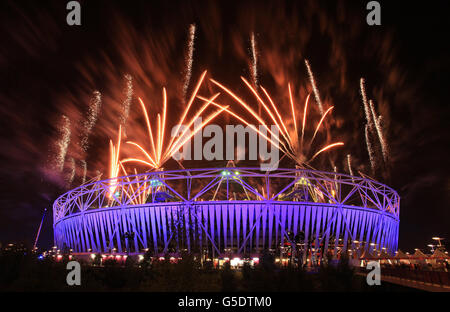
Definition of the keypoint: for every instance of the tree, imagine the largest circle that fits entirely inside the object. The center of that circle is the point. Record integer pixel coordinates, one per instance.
(228, 278)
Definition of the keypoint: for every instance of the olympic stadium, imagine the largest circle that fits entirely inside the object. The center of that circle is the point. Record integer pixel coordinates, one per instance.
(224, 212)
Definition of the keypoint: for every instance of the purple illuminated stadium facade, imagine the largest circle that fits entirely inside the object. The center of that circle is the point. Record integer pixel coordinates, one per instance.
(223, 211)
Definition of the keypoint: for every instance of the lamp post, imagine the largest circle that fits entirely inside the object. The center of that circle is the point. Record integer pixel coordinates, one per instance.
(439, 240)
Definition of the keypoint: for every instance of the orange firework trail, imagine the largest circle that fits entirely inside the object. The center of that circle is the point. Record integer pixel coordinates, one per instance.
(292, 108)
(161, 152)
(114, 165)
(240, 119)
(127, 102)
(376, 121)
(251, 111)
(92, 116)
(326, 148)
(289, 142)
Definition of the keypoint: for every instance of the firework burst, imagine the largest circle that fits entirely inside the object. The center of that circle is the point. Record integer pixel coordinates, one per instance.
(114, 162)
(160, 151)
(291, 142)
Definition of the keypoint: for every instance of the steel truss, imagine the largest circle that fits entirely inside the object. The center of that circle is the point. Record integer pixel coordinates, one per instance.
(240, 209)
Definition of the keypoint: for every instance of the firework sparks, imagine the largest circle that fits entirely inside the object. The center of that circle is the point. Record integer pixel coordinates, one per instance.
(372, 111)
(189, 59)
(366, 104)
(373, 121)
(293, 109)
(247, 107)
(161, 152)
(114, 165)
(383, 144)
(314, 86)
(127, 102)
(91, 119)
(240, 119)
(84, 167)
(369, 148)
(63, 142)
(349, 164)
(289, 142)
(276, 111)
(304, 121)
(136, 188)
(326, 148)
(71, 173)
(254, 63)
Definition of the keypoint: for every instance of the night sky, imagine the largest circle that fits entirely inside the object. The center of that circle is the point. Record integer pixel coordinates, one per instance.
(49, 68)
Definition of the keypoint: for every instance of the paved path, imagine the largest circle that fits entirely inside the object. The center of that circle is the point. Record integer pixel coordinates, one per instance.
(413, 283)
